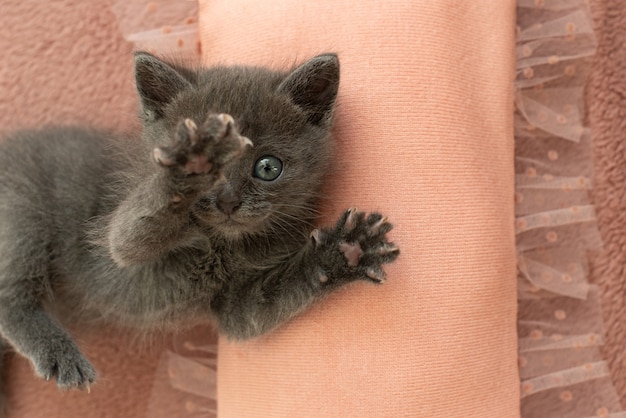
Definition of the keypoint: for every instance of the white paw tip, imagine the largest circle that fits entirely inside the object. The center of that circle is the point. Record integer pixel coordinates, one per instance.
(350, 220)
(226, 118)
(191, 125)
(377, 275)
(316, 234)
(157, 154)
(388, 249)
(246, 141)
(159, 157)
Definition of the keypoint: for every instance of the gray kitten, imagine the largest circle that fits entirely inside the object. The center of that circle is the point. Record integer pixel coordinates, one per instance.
(208, 216)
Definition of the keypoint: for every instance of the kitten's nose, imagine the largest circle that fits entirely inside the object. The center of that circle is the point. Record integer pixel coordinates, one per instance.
(228, 202)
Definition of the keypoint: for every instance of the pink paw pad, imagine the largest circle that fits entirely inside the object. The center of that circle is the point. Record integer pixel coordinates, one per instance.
(198, 164)
(352, 252)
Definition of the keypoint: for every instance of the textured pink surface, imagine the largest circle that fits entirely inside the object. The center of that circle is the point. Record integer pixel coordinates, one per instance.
(63, 62)
(607, 117)
(424, 134)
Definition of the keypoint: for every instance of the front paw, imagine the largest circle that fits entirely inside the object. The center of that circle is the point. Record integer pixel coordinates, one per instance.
(203, 149)
(357, 247)
(59, 358)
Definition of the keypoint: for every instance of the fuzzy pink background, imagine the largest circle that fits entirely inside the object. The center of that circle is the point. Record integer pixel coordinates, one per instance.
(606, 102)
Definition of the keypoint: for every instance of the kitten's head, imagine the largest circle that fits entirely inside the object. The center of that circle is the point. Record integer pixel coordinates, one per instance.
(288, 115)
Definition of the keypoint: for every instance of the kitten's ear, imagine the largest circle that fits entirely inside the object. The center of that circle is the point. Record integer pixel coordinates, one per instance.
(157, 84)
(313, 86)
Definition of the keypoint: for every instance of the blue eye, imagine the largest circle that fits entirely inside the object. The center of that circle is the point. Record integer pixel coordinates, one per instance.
(268, 168)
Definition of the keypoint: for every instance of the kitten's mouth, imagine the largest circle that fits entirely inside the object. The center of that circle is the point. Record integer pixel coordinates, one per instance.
(234, 227)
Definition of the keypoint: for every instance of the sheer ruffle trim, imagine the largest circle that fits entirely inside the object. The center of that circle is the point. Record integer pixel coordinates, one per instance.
(186, 380)
(560, 325)
(160, 26)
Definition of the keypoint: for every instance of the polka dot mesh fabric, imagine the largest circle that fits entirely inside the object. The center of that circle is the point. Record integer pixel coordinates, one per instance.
(160, 25)
(560, 328)
(190, 368)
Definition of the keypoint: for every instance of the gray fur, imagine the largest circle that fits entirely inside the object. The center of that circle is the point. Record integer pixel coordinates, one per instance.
(97, 228)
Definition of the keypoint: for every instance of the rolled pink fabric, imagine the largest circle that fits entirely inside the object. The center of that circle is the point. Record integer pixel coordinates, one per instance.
(424, 134)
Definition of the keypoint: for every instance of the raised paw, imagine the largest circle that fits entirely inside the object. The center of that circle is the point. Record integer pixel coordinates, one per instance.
(357, 247)
(203, 149)
(60, 359)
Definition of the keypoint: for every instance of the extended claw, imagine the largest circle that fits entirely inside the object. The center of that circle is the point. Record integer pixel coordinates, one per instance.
(388, 249)
(228, 122)
(246, 141)
(316, 236)
(243, 141)
(160, 157)
(375, 228)
(350, 219)
(226, 118)
(219, 126)
(192, 130)
(376, 275)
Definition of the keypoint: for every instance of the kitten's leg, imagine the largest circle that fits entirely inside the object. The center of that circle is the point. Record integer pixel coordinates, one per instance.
(153, 218)
(23, 321)
(356, 248)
